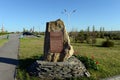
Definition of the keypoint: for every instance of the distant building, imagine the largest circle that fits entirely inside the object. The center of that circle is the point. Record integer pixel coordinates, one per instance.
(2, 29)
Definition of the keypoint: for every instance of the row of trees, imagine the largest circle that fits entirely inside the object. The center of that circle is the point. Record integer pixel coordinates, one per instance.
(114, 35)
(4, 33)
(90, 36)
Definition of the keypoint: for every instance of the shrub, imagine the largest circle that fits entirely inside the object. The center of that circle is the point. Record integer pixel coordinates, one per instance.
(88, 40)
(89, 63)
(107, 43)
(93, 41)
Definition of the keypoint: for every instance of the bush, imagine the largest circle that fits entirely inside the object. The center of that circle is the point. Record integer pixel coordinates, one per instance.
(88, 62)
(94, 40)
(107, 44)
(88, 40)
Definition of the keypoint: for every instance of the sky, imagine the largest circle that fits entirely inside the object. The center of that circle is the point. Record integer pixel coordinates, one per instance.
(18, 14)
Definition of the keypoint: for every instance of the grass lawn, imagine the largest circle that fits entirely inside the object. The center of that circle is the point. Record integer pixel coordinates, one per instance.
(108, 58)
(30, 50)
(3, 41)
(30, 47)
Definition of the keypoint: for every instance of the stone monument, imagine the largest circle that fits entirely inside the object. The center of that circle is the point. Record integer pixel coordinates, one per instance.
(58, 62)
(57, 46)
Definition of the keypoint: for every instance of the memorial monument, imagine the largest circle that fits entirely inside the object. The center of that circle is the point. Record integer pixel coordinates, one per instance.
(57, 62)
(57, 46)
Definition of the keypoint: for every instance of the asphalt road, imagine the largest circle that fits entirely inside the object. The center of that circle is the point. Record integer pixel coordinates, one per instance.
(9, 58)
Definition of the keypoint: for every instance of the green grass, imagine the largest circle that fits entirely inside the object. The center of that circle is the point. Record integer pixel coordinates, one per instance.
(3, 41)
(30, 50)
(108, 58)
(30, 47)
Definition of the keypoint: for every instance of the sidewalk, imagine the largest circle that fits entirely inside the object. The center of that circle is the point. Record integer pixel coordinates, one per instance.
(8, 58)
(113, 78)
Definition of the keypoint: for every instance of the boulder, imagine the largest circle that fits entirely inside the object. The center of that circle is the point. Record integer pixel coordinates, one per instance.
(57, 47)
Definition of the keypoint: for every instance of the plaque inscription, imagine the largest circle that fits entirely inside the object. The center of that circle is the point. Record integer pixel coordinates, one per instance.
(56, 42)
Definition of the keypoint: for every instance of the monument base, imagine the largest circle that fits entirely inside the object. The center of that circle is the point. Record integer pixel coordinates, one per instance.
(58, 70)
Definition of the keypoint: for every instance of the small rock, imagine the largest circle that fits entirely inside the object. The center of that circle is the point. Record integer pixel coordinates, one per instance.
(87, 74)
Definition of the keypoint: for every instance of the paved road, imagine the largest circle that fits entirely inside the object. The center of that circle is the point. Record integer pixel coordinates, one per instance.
(8, 58)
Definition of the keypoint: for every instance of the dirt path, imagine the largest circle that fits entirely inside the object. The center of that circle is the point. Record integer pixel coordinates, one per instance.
(8, 58)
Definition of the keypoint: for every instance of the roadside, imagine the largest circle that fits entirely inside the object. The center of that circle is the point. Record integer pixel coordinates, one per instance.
(9, 58)
(3, 36)
(113, 78)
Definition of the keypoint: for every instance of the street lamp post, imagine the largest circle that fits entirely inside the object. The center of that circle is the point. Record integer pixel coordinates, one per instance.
(68, 15)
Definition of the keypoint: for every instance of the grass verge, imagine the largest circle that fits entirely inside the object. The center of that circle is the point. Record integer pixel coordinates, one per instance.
(30, 50)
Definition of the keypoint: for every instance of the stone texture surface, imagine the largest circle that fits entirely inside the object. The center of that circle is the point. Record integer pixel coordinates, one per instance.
(62, 70)
(57, 27)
